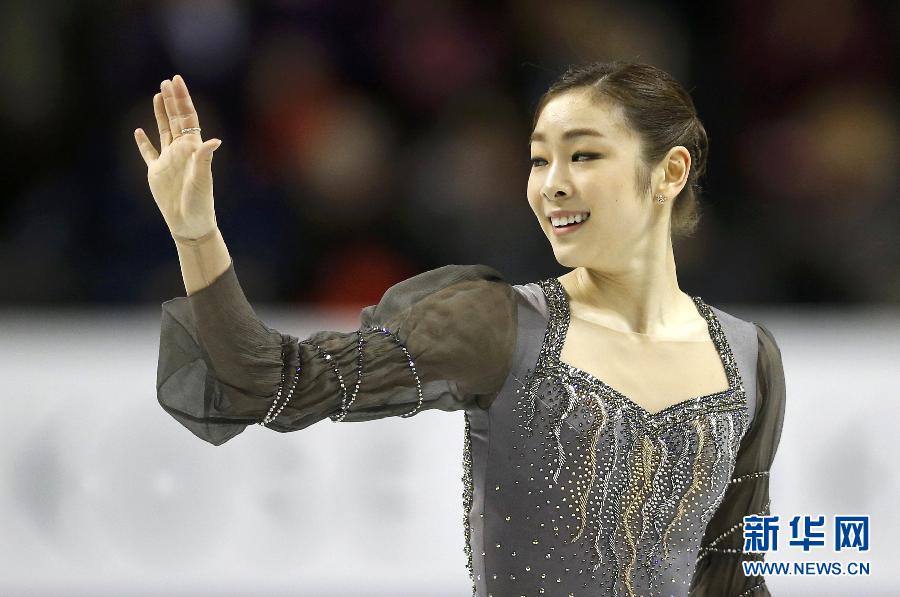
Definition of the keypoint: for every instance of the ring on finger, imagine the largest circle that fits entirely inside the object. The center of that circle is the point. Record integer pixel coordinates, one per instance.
(194, 129)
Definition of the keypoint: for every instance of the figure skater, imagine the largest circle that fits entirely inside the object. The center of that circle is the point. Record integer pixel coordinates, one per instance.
(617, 429)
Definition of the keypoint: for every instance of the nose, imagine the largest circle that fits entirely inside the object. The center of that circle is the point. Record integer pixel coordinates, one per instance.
(556, 186)
(558, 194)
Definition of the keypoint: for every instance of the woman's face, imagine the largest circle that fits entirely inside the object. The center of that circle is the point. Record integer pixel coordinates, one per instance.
(584, 159)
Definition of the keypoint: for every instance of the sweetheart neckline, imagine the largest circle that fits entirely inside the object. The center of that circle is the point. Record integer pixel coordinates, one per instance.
(564, 319)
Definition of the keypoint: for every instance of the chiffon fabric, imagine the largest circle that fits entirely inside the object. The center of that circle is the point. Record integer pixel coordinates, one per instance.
(445, 339)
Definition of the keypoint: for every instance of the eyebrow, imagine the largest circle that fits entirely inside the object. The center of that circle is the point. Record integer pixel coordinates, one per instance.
(569, 134)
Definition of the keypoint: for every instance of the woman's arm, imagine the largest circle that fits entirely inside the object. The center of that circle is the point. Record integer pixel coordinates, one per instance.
(448, 344)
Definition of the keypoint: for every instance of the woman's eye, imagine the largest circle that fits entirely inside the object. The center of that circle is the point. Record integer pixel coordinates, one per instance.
(577, 157)
(589, 156)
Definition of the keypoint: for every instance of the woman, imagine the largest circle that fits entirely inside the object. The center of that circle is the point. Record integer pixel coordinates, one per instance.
(617, 429)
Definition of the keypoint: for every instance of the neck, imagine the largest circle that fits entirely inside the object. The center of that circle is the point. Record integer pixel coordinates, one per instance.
(643, 298)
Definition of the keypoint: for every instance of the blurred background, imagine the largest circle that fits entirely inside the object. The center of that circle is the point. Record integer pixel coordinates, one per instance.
(363, 143)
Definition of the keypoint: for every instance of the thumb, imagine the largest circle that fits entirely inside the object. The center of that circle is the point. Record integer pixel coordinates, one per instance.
(204, 154)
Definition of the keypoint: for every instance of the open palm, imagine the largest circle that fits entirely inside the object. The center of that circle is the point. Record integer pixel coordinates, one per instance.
(180, 174)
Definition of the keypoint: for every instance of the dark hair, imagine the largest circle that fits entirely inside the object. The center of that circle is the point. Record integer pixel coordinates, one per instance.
(659, 110)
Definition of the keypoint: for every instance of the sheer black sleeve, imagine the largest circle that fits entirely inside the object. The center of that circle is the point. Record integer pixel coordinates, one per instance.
(443, 339)
(719, 572)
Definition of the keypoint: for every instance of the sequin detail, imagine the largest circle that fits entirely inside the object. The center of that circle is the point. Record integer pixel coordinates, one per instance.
(347, 397)
(468, 492)
(634, 490)
(711, 546)
(272, 414)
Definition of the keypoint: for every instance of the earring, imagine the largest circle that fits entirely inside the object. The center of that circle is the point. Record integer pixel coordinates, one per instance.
(660, 198)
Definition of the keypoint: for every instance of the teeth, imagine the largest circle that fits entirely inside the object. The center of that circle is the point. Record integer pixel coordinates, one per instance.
(559, 222)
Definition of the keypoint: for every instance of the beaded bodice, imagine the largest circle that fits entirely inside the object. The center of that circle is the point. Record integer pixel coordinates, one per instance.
(585, 492)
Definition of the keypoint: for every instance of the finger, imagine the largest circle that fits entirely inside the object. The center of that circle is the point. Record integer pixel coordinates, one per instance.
(148, 152)
(179, 106)
(162, 121)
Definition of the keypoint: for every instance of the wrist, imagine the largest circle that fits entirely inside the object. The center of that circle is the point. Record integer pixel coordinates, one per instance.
(182, 240)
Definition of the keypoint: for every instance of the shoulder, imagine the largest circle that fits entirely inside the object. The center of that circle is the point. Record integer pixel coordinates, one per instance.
(731, 321)
(768, 373)
(469, 284)
(764, 338)
(740, 333)
(531, 296)
(749, 332)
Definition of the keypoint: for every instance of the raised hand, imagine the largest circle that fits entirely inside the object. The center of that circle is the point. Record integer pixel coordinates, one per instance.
(180, 174)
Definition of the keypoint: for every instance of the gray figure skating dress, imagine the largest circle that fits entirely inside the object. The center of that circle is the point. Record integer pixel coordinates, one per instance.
(569, 486)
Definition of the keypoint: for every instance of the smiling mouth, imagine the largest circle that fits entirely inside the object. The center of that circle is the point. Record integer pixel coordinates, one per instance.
(562, 223)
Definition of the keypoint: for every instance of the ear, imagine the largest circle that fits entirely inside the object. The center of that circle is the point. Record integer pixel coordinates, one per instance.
(674, 167)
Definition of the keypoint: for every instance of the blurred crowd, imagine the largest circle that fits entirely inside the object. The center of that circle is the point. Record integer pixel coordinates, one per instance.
(365, 142)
